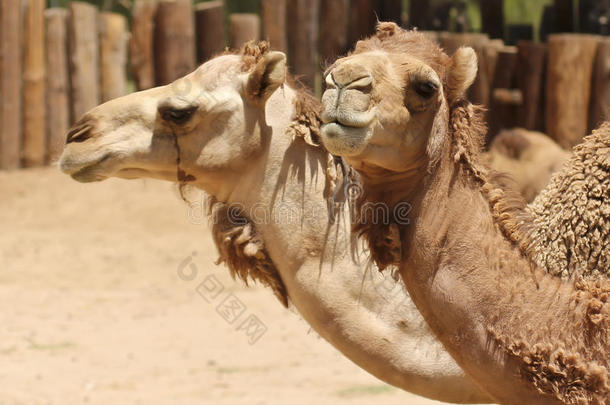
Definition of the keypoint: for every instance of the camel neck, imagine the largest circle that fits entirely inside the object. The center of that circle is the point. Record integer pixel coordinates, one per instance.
(392, 187)
(501, 319)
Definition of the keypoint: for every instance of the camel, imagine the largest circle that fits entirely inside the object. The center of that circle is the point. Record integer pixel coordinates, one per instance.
(237, 129)
(530, 158)
(476, 262)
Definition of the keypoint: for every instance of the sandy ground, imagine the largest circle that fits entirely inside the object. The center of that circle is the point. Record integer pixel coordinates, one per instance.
(93, 309)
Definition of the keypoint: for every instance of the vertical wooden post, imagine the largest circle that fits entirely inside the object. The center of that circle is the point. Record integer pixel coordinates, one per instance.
(113, 55)
(210, 29)
(531, 71)
(419, 14)
(273, 13)
(34, 76)
(492, 17)
(570, 65)
(174, 40)
(490, 54)
(10, 84)
(503, 111)
(58, 107)
(84, 58)
(504, 76)
(391, 10)
(303, 39)
(334, 19)
(600, 99)
(362, 20)
(141, 44)
(243, 28)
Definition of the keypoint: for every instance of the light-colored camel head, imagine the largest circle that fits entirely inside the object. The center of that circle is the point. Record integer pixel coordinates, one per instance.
(386, 105)
(202, 128)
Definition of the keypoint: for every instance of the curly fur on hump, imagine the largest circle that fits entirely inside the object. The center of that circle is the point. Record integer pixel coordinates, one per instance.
(575, 243)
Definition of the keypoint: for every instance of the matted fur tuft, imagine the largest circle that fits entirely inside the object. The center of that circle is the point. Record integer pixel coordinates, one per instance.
(252, 52)
(382, 240)
(306, 121)
(242, 249)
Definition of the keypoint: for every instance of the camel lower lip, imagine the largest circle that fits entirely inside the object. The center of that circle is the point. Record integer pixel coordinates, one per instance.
(87, 174)
(345, 140)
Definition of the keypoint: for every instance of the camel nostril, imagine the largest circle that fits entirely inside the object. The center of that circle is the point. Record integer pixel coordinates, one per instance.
(78, 134)
(81, 131)
(363, 84)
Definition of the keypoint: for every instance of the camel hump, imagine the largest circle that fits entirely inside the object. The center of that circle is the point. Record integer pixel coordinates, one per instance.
(512, 143)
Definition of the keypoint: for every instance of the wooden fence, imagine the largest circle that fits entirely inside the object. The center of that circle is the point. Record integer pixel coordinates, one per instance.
(56, 64)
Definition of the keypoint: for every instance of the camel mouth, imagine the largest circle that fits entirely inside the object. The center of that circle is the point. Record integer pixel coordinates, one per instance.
(84, 173)
(346, 140)
(87, 175)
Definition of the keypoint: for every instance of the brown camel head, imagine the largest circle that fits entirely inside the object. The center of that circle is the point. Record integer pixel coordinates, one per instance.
(203, 127)
(386, 105)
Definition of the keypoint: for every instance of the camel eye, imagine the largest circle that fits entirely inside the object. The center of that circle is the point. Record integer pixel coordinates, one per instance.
(178, 116)
(425, 89)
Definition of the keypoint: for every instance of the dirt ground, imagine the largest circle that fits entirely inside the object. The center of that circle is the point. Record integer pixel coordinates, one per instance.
(94, 311)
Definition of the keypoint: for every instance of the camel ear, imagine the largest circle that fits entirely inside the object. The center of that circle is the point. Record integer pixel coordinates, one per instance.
(462, 73)
(268, 75)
